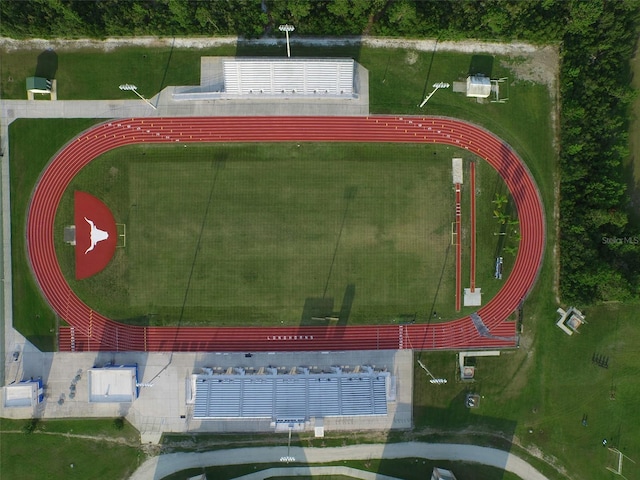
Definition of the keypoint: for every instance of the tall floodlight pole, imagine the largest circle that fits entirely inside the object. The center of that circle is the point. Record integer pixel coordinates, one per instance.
(436, 86)
(126, 87)
(288, 458)
(286, 28)
(434, 380)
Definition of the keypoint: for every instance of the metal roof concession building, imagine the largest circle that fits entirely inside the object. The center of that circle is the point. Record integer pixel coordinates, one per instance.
(478, 86)
(27, 393)
(290, 395)
(113, 383)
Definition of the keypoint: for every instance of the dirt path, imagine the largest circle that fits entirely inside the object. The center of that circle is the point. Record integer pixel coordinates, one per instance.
(94, 438)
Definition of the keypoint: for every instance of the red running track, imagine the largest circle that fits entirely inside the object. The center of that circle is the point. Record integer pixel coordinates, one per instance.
(458, 245)
(472, 269)
(90, 330)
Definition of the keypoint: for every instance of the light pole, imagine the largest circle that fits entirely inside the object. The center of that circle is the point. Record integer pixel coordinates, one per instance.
(288, 458)
(436, 86)
(286, 28)
(132, 88)
(434, 380)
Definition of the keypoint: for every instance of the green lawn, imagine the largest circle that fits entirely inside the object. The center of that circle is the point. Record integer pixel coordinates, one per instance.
(56, 450)
(272, 234)
(405, 468)
(29, 154)
(398, 80)
(547, 385)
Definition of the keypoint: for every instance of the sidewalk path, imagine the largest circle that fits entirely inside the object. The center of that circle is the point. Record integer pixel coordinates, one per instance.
(159, 467)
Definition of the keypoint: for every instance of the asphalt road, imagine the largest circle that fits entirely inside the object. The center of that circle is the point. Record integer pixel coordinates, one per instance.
(163, 465)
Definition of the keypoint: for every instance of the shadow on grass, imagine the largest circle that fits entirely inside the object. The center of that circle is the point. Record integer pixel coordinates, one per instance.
(435, 295)
(166, 68)
(47, 65)
(481, 65)
(320, 312)
(426, 87)
(347, 303)
(299, 49)
(316, 312)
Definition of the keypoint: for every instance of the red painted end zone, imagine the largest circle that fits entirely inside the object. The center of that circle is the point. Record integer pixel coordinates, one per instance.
(96, 235)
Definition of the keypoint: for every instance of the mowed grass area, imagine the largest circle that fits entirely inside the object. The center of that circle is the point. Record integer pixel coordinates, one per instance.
(278, 234)
(405, 468)
(547, 387)
(32, 316)
(398, 81)
(68, 449)
(528, 377)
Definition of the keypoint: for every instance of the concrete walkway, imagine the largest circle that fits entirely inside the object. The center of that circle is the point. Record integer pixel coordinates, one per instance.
(159, 467)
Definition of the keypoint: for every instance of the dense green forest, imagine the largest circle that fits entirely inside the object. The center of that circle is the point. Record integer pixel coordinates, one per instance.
(599, 246)
(533, 20)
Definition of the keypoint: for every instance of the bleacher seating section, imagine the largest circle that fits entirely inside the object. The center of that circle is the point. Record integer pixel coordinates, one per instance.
(309, 77)
(297, 395)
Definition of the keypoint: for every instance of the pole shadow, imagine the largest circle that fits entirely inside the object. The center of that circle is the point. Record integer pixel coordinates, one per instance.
(425, 89)
(350, 194)
(347, 303)
(166, 68)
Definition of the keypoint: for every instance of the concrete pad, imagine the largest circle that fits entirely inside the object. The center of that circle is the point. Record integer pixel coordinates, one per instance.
(456, 168)
(460, 87)
(161, 406)
(472, 299)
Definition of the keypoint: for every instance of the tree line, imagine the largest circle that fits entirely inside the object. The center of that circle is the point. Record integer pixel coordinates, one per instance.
(599, 246)
(534, 20)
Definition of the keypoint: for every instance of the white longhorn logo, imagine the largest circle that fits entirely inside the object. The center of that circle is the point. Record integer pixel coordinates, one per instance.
(97, 235)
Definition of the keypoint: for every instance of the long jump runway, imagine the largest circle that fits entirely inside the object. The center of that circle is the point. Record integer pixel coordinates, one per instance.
(90, 331)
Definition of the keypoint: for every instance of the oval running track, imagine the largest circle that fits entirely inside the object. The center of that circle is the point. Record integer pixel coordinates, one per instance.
(90, 331)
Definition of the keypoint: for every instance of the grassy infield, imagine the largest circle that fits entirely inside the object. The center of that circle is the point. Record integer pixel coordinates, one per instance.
(546, 386)
(280, 238)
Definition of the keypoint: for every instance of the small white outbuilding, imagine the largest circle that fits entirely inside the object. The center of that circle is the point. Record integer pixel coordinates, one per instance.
(478, 86)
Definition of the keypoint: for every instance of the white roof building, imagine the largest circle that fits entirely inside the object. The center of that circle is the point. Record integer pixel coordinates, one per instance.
(478, 86)
(23, 394)
(113, 384)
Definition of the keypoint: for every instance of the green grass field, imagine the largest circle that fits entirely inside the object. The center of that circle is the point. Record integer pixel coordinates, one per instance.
(271, 234)
(94, 447)
(32, 315)
(406, 468)
(547, 385)
(398, 81)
